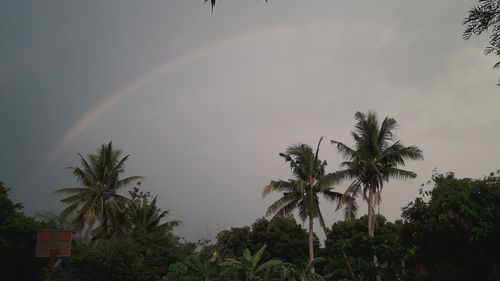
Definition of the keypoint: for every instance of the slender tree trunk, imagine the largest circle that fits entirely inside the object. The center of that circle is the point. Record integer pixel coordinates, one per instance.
(371, 212)
(311, 240)
(311, 225)
(372, 199)
(371, 223)
(346, 259)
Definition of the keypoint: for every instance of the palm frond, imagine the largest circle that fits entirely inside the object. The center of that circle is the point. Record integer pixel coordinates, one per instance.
(69, 210)
(283, 211)
(333, 196)
(399, 173)
(128, 180)
(350, 207)
(282, 203)
(345, 150)
(321, 220)
(279, 186)
(326, 182)
(88, 169)
(70, 190)
(385, 134)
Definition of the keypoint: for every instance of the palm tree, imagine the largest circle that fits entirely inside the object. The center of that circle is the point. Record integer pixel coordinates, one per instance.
(97, 199)
(302, 192)
(376, 158)
(145, 216)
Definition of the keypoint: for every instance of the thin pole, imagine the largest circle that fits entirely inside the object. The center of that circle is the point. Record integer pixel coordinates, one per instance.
(52, 261)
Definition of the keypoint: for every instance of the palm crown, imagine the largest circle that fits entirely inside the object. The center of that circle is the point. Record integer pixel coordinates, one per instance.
(375, 158)
(97, 199)
(302, 192)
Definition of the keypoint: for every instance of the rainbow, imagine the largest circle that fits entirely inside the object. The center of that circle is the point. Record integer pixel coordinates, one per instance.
(135, 84)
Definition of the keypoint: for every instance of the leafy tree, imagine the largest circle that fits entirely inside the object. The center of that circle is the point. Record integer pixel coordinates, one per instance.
(302, 193)
(52, 220)
(108, 260)
(97, 200)
(485, 17)
(138, 257)
(454, 229)
(350, 251)
(286, 240)
(375, 159)
(17, 242)
(231, 243)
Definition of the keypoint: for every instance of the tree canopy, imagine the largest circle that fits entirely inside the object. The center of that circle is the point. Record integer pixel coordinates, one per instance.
(482, 18)
(454, 229)
(286, 240)
(17, 241)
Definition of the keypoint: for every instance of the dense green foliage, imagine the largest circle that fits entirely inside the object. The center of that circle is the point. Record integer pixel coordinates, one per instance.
(349, 245)
(286, 241)
(248, 267)
(455, 233)
(141, 257)
(17, 241)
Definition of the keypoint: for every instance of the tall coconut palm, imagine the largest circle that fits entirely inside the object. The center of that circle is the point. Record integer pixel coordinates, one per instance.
(97, 199)
(302, 192)
(374, 160)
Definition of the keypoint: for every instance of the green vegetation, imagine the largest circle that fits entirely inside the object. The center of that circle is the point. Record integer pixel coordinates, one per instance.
(350, 250)
(17, 241)
(285, 240)
(450, 232)
(454, 229)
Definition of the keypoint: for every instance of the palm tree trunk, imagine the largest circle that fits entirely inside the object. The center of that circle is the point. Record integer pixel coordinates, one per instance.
(371, 223)
(311, 240)
(371, 213)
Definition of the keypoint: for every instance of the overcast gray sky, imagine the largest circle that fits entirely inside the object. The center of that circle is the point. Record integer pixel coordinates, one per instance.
(205, 102)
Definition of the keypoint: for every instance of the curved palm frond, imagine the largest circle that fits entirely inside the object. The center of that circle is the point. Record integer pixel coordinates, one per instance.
(345, 150)
(385, 134)
(279, 186)
(399, 174)
(279, 204)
